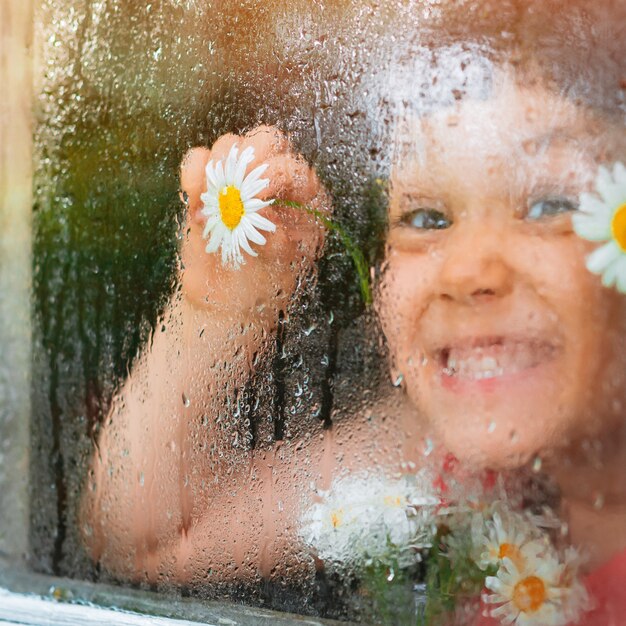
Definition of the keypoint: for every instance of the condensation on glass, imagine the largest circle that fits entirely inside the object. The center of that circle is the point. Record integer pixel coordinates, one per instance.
(255, 427)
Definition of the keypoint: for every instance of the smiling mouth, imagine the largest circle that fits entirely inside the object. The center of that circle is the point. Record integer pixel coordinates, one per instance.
(493, 357)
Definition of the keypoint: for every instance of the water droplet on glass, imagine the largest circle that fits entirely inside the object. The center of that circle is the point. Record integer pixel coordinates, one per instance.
(598, 500)
(429, 446)
(530, 147)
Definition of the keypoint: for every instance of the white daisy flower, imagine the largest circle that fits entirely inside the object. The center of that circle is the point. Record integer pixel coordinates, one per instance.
(540, 593)
(361, 517)
(507, 535)
(602, 217)
(231, 206)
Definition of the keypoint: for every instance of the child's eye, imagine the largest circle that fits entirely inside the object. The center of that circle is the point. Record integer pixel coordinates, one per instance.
(426, 219)
(547, 207)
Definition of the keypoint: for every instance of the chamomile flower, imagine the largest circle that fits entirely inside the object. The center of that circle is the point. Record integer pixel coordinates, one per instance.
(231, 206)
(507, 535)
(602, 217)
(364, 516)
(537, 594)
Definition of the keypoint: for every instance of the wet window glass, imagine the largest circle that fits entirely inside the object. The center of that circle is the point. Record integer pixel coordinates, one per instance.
(328, 306)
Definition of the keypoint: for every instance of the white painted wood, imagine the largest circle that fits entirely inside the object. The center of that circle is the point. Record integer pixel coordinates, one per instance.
(25, 609)
(29, 591)
(15, 269)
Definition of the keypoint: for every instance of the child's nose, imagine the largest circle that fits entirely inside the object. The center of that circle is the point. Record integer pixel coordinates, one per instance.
(475, 265)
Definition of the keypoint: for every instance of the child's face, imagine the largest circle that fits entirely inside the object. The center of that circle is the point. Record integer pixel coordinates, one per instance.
(505, 341)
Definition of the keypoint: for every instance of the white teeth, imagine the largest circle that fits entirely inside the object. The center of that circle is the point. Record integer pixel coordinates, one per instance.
(475, 367)
(491, 361)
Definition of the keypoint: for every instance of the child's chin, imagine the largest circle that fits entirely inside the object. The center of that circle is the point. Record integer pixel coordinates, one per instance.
(477, 449)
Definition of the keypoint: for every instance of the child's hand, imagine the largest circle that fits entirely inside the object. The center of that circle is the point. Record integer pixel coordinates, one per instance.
(270, 278)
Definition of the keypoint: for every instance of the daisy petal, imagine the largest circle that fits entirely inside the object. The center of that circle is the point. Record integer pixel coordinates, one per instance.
(243, 242)
(609, 275)
(619, 174)
(261, 222)
(253, 234)
(254, 205)
(590, 204)
(612, 194)
(501, 610)
(249, 190)
(591, 227)
(507, 613)
(236, 256)
(210, 225)
(251, 178)
(210, 173)
(621, 275)
(601, 258)
(493, 583)
(247, 156)
(227, 245)
(217, 238)
(219, 176)
(209, 197)
(510, 619)
(257, 172)
(231, 165)
(210, 210)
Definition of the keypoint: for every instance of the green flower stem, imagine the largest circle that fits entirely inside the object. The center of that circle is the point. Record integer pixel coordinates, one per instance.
(351, 247)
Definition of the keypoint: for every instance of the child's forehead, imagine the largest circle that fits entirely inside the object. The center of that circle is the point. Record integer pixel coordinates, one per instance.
(515, 124)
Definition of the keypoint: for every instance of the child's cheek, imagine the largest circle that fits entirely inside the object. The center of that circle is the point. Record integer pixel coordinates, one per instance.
(408, 284)
(586, 314)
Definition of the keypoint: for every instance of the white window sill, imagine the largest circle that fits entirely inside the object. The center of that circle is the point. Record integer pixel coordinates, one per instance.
(16, 608)
(31, 610)
(30, 599)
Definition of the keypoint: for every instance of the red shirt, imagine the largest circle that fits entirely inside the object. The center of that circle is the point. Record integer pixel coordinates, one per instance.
(607, 587)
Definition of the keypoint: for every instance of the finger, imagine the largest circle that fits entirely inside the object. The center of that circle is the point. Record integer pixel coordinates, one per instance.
(267, 142)
(193, 178)
(291, 178)
(221, 148)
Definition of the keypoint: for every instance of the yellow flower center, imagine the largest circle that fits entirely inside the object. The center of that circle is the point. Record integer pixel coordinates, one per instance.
(618, 226)
(512, 552)
(529, 594)
(231, 206)
(394, 501)
(336, 518)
